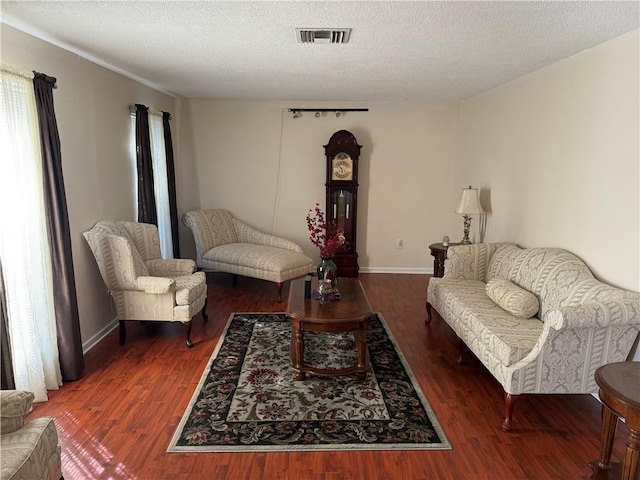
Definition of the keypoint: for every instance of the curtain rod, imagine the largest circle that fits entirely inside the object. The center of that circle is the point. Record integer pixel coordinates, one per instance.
(132, 111)
(328, 110)
(14, 71)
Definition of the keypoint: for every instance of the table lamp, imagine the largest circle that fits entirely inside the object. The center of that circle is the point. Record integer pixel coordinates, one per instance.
(468, 205)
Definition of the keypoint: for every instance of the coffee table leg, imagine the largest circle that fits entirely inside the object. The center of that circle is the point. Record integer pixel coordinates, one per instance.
(298, 354)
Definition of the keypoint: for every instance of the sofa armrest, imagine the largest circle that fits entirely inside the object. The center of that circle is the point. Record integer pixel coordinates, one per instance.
(469, 262)
(614, 312)
(14, 406)
(155, 284)
(175, 267)
(247, 234)
(563, 326)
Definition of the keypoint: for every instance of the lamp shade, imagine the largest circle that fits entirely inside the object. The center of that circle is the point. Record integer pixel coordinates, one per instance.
(469, 203)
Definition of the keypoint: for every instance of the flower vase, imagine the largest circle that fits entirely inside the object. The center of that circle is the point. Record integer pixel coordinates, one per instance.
(327, 270)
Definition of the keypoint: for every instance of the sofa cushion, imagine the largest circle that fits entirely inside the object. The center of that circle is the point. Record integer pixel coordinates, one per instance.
(510, 297)
(15, 405)
(471, 313)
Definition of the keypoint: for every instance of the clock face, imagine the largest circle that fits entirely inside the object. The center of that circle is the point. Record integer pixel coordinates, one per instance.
(342, 167)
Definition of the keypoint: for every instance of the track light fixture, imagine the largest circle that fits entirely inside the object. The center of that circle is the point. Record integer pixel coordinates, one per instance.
(296, 112)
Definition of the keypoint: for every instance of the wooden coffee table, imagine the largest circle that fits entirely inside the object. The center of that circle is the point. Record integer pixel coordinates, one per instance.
(349, 314)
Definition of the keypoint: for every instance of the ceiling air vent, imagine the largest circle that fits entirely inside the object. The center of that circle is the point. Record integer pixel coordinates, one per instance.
(323, 35)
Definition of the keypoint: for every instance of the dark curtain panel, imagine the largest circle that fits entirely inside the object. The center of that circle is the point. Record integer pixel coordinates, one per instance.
(64, 284)
(171, 181)
(146, 197)
(6, 369)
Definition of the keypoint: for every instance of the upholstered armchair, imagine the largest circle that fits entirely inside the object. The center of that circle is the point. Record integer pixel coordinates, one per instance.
(143, 285)
(30, 450)
(225, 244)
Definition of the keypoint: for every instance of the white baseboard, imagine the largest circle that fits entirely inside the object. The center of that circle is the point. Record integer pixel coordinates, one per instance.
(93, 341)
(407, 270)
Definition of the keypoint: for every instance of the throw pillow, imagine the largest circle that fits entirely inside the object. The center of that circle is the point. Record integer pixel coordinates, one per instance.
(510, 297)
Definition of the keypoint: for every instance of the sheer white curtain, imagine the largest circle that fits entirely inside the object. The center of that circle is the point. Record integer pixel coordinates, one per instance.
(24, 245)
(161, 185)
(160, 180)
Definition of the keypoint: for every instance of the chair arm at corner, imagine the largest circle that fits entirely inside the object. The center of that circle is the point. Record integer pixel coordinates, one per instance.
(175, 267)
(155, 284)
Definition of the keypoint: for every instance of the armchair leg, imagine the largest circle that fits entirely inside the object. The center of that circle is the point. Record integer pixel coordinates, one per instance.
(205, 317)
(279, 288)
(509, 403)
(123, 332)
(189, 342)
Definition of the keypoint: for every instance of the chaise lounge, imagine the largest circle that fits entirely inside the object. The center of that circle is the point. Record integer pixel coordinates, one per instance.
(225, 244)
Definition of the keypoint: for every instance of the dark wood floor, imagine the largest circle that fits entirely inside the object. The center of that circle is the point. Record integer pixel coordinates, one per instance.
(117, 421)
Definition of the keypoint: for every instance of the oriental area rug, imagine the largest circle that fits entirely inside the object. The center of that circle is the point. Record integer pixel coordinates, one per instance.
(247, 399)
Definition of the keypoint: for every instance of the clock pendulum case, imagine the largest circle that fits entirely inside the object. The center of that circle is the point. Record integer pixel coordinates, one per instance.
(342, 154)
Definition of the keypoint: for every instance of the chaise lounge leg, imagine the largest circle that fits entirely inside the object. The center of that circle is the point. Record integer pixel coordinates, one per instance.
(279, 288)
(189, 342)
(427, 320)
(205, 317)
(509, 403)
(123, 332)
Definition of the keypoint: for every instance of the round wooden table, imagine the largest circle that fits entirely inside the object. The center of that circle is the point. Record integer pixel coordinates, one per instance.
(620, 395)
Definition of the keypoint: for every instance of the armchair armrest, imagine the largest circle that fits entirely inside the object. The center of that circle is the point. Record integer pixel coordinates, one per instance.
(175, 267)
(155, 284)
(14, 406)
(247, 234)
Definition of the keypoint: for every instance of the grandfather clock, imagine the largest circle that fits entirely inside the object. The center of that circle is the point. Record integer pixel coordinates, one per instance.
(342, 154)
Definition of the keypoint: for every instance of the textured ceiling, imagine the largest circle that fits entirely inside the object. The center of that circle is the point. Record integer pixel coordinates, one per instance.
(398, 51)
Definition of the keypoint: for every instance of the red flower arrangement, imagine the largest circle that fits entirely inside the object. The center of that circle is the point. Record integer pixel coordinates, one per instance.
(326, 238)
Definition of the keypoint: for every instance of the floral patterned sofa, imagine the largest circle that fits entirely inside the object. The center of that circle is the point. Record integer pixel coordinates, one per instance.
(30, 450)
(536, 318)
(225, 244)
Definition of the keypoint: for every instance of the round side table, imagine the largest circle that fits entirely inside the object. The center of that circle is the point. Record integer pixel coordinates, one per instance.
(620, 396)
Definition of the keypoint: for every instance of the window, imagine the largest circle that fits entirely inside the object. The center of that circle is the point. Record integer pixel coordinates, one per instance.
(24, 246)
(160, 182)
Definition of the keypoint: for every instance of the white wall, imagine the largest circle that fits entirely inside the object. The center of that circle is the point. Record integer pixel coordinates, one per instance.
(254, 159)
(557, 155)
(92, 110)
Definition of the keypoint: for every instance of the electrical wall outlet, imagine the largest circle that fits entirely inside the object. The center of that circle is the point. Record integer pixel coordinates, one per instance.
(399, 243)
